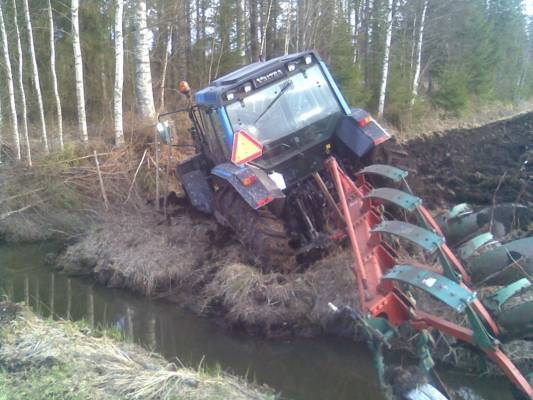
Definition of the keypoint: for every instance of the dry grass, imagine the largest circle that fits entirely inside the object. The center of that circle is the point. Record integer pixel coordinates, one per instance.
(110, 369)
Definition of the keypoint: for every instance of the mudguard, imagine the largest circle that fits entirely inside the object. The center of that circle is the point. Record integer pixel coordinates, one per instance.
(193, 174)
(358, 133)
(253, 184)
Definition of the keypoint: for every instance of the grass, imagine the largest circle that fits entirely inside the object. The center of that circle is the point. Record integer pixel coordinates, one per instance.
(45, 359)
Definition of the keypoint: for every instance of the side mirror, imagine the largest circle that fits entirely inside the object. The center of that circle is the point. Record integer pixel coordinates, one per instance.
(165, 132)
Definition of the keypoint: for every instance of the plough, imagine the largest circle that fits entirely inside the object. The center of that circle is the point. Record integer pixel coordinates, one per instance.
(384, 303)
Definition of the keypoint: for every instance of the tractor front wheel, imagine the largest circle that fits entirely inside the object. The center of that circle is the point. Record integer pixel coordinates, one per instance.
(262, 233)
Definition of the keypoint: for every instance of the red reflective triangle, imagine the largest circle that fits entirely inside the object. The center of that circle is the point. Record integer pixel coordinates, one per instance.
(245, 148)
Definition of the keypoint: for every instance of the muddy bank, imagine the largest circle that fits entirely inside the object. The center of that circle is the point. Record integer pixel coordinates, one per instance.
(45, 359)
(477, 166)
(197, 264)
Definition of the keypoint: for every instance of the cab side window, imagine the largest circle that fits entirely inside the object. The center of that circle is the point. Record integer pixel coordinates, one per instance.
(214, 135)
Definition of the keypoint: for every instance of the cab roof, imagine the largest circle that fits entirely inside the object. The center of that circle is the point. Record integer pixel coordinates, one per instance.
(212, 95)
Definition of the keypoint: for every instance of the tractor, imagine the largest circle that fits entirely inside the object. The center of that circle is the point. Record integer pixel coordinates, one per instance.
(262, 134)
(283, 161)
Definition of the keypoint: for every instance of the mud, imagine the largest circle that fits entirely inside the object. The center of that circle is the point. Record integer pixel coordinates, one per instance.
(493, 163)
(198, 265)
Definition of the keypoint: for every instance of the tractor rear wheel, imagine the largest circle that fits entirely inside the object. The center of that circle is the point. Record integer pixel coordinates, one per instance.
(262, 233)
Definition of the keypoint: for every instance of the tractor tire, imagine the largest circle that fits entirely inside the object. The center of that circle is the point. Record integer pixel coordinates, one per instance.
(261, 233)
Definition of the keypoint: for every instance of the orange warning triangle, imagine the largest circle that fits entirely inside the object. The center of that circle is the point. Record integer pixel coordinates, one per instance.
(245, 148)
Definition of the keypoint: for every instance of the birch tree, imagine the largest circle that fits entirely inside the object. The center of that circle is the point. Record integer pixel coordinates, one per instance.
(78, 69)
(21, 86)
(36, 75)
(54, 76)
(141, 54)
(168, 50)
(119, 73)
(386, 56)
(10, 88)
(416, 78)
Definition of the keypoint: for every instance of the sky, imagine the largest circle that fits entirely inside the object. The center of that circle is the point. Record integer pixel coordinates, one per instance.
(529, 6)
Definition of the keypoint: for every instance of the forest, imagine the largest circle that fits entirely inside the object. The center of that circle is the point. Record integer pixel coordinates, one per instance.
(73, 70)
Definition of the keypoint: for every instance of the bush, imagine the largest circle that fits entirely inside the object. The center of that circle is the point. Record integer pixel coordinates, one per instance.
(452, 92)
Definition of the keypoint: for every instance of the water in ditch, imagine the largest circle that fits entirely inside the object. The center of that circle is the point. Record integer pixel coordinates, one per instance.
(310, 369)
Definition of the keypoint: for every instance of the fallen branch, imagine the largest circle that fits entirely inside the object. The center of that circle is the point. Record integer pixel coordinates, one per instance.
(102, 188)
(10, 213)
(21, 195)
(135, 175)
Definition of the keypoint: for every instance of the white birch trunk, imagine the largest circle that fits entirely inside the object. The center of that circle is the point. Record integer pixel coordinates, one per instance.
(288, 29)
(416, 78)
(10, 88)
(119, 73)
(386, 56)
(36, 75)
(78, 68)
(141, 54)
(21, 86)
(54, 77)
(168, 50)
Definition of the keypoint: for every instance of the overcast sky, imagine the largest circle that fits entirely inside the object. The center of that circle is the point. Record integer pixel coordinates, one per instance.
(529, 6)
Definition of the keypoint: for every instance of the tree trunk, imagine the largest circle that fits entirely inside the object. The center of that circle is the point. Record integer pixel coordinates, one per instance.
(36, 75)
(54, 76)
(288, 28)
(386, 54)
(254, 43)
(241, 28)
(119, 73)
(21, 86)
(264, 30)
(78, 68)
(416, 78)
(182, 40)
(143, 73)
(10, 88)
(168, 49)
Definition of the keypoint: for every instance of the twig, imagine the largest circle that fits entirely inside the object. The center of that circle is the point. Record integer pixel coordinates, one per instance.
(102, 188)
(75, 159)
(135, 175)
(21, 195)
(10, 213)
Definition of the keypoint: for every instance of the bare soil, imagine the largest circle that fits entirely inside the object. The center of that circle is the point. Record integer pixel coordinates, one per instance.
(477, 166)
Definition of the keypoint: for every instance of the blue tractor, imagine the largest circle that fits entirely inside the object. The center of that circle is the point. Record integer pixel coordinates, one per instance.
(262, 134)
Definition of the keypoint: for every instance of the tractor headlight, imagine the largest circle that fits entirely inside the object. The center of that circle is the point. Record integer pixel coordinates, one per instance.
(230, 96)
(291, 67)
(308, 59)
(247, 88)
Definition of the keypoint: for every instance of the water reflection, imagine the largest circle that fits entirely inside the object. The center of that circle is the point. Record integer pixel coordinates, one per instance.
(301, 369)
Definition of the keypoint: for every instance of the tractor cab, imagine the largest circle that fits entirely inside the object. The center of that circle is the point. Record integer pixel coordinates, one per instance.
(280, 115)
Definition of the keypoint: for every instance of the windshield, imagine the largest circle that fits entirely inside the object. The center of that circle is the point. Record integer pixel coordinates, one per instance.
(286, 107)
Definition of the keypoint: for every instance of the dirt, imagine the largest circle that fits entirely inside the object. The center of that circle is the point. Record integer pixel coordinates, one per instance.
(198, 265)
(477, 166)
